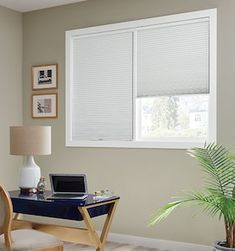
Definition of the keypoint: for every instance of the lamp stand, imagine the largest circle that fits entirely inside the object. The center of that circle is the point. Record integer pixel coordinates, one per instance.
(30, 175)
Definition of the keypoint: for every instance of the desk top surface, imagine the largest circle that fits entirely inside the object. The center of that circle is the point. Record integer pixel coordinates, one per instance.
(90, 200)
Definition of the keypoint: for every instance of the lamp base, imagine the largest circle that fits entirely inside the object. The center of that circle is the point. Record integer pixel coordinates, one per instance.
(30, 174)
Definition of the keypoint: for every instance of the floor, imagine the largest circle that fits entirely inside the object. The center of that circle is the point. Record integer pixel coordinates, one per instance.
(110, 246)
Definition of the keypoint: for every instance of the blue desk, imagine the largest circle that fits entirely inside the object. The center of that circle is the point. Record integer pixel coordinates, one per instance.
(79, 210)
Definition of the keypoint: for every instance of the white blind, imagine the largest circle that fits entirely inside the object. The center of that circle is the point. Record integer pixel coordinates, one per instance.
(173, 59)
(102, 87)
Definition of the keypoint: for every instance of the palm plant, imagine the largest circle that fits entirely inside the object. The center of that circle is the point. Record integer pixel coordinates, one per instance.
(218, 198)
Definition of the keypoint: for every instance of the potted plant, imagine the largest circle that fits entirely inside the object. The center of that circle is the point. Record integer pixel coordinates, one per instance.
(218, 198)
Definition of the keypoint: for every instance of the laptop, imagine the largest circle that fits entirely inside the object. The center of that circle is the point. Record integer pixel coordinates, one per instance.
(68, 186)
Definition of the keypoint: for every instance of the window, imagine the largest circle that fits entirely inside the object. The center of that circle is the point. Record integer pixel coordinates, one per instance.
(146, 83)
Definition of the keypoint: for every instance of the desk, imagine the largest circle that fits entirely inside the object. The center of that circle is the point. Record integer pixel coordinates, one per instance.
(79, 210)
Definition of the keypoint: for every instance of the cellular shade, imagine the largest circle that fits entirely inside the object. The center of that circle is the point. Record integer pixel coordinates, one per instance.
(173, 59)
(30, 140)
(102, 87)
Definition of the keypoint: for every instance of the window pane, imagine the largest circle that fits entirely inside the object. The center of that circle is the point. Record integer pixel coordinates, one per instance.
(173, 116)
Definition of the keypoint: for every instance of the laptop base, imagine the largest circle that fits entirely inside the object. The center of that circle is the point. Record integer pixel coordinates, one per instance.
(67, 197)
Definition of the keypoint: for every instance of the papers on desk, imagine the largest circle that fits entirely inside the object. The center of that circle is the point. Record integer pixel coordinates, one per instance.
(99, 198)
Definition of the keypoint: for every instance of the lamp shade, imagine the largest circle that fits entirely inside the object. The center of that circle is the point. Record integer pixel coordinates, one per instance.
(30, 140)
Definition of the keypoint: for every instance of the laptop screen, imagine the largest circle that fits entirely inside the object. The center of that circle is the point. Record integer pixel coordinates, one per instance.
(68, 183)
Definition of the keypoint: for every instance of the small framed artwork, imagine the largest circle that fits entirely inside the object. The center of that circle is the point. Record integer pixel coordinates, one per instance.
(44, 76)
(44, 105)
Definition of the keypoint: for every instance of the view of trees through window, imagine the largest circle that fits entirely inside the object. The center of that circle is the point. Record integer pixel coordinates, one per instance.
(173, 116)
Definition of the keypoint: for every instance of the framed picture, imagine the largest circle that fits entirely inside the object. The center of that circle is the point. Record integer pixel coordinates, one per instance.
(44, 105)
(44, 76)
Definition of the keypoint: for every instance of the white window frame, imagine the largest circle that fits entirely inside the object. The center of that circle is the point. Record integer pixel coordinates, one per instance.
(172, 143)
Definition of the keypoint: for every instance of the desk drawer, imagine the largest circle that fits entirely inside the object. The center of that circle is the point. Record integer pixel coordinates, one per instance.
(56, 209)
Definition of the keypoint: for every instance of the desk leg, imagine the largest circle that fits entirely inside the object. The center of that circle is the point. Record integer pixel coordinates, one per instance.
(99, 241)
(90, 226)
(107, 223)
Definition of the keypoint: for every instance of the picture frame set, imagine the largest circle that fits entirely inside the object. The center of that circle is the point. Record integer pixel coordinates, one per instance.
(44, 104)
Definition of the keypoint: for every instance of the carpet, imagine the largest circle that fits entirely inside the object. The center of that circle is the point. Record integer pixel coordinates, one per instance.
(110, 246)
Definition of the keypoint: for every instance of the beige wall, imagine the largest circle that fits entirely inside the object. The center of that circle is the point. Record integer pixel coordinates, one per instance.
(144, 178)
(10, 90)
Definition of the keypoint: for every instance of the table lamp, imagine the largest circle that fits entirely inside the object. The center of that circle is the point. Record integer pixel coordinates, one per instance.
(29, 141)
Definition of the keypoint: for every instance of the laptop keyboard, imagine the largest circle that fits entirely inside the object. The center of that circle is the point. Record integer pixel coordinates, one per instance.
(68, 195)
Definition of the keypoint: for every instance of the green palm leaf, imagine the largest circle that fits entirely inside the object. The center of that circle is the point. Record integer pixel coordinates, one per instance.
(212, 202)
(215, 161)
(164, 211)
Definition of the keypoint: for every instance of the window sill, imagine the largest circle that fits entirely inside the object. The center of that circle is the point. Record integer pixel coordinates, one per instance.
(138, 144)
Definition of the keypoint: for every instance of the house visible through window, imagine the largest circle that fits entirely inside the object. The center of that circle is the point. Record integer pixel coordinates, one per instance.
(173, 116)
(146, 83)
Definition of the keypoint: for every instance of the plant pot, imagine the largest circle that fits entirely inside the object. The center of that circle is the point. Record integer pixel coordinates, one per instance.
(218, 246)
